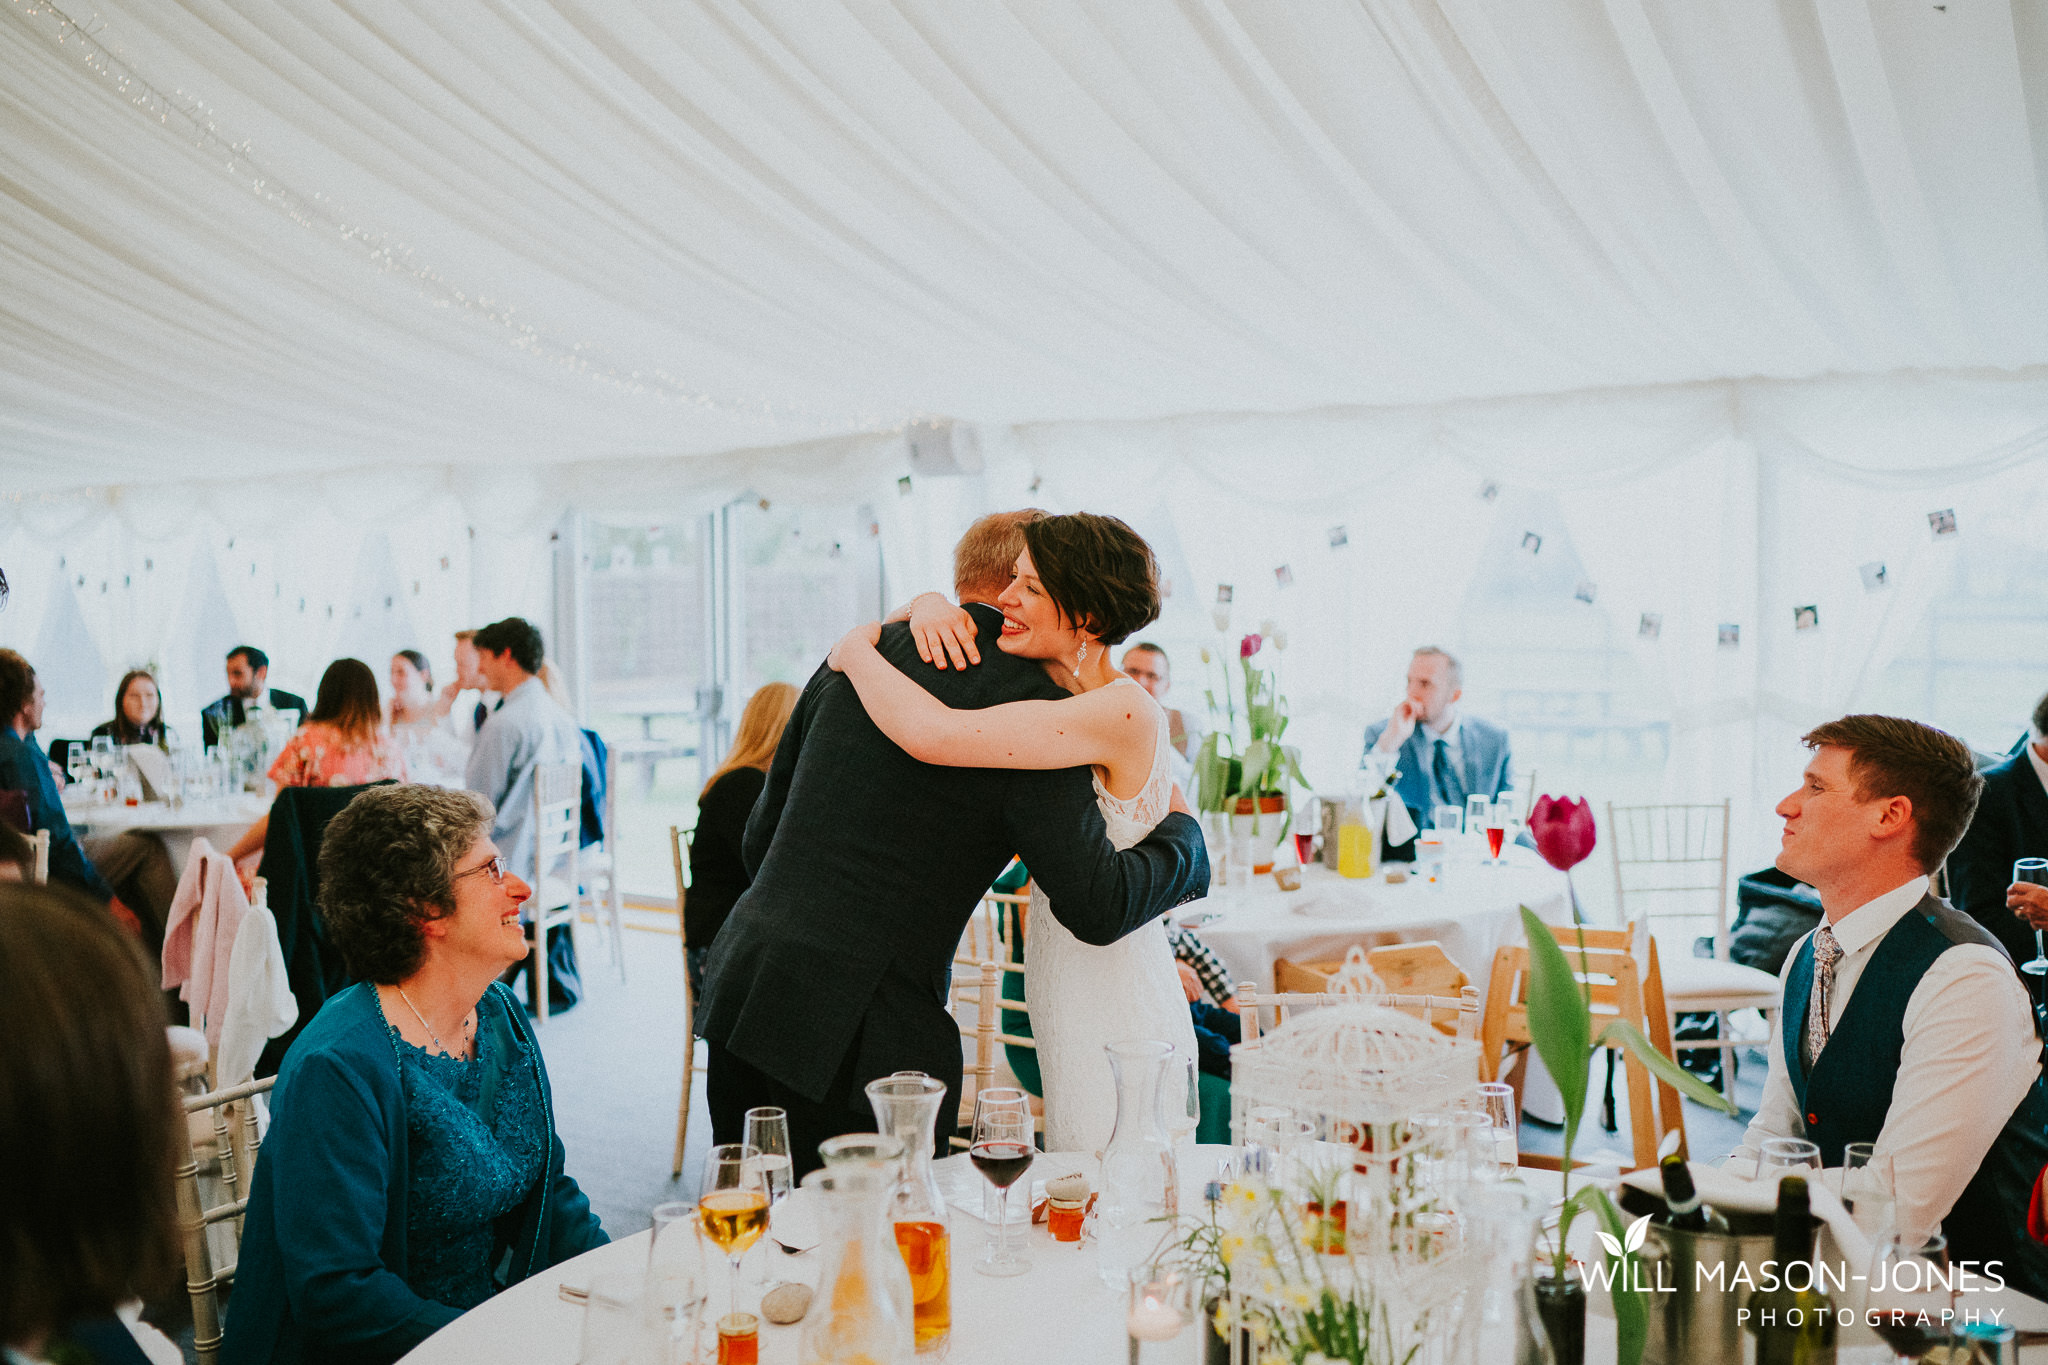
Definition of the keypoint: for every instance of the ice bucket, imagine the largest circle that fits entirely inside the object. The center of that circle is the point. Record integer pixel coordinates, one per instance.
(1695, 1287)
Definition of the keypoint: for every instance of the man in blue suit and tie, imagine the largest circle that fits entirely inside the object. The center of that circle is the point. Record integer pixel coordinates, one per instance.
(1444, 755)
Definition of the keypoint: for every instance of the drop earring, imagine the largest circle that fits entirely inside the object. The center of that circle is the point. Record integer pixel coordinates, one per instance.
(1081, 657)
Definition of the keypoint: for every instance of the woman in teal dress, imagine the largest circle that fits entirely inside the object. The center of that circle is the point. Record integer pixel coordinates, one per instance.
(412, 1169)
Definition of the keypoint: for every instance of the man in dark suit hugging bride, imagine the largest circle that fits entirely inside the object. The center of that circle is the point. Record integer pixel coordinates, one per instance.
(833, 967)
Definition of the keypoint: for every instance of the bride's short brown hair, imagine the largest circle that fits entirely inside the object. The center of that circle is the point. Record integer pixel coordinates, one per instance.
(1098, 571)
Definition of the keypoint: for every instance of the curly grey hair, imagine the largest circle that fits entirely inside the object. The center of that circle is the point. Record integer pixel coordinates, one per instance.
(387, 866)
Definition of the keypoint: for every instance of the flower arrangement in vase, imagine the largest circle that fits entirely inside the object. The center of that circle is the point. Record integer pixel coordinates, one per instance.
(1250, 773)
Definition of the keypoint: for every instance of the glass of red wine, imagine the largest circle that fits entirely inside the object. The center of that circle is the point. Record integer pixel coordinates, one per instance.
(1497, 817)
(1002, 1152)
(1912, 1295)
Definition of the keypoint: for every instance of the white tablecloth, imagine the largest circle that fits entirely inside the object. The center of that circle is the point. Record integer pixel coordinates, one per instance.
(1059, 1311)
(1471, 912)
(222, 819)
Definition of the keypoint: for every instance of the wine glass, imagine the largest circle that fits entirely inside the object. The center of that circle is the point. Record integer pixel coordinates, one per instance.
(2034, 870)
(1180, 1098)
(677, 1285)
(1912, 1299)
(1497, 1102)
(1002, 1151)
(1498, 813)
(1867, 1188)
(768, 1133)
(733, 1205)
(1779, 1157)
(1478, 814)
(77, 763)
(618, 1325)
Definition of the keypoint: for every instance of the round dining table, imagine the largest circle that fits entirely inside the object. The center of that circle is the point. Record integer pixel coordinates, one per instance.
(1060, 1310)
(220, 819)
(1471, 910)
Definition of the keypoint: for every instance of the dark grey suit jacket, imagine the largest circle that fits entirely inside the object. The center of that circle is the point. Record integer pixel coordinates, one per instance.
(2011, 823)
(867, 865)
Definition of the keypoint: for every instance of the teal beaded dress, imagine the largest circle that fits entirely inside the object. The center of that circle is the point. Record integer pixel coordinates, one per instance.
(477, 1144)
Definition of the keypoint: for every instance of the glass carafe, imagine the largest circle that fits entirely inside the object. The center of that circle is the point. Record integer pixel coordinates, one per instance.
(862, 1312)
(1499, 1321)
(907, 1107)
(1140, 1183)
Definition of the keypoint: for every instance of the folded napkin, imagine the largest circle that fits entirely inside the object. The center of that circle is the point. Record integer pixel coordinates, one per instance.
(1734, 1189)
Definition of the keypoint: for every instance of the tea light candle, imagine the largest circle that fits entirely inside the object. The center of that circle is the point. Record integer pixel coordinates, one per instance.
(1151, 1320)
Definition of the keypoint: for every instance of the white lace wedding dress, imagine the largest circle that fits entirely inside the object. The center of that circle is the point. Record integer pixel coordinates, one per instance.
(1083, 997)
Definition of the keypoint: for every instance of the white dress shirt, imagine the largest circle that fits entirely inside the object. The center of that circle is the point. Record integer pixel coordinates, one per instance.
(2040, 764)
(1970, 1056)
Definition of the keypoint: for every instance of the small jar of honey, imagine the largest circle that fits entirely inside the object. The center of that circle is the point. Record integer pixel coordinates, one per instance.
(1063, 1218)
(739, 1339)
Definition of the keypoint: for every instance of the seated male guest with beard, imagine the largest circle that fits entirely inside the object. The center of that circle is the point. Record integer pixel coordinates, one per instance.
(2011, 823)
(1902, 1020)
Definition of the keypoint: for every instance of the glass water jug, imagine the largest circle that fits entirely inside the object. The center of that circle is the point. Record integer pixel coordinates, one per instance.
(1140, 1181)
(861, 1314)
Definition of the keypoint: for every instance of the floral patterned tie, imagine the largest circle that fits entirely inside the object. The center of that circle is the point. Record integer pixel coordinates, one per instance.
(1826, 953)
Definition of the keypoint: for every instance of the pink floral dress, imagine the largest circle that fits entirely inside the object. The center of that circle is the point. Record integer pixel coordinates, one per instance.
(318, 756)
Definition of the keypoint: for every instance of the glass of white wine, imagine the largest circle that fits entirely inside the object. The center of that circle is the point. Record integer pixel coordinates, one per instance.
(732, 1206)
(1497, 1102)
(768, 1133)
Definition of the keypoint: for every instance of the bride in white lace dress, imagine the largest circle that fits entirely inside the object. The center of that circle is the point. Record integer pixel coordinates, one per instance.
(1082, 584)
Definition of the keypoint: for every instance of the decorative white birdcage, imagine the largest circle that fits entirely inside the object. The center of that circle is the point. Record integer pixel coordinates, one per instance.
(1344, 1204)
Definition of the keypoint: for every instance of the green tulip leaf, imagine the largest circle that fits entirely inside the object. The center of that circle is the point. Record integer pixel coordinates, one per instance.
(1620, 1033)
(1631, 1313)
(1559, 1021)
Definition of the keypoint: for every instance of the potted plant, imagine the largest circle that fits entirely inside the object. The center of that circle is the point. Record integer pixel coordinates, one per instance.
(1250, 774)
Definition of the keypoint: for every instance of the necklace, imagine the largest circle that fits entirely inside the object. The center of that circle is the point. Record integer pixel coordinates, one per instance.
(427, 1026)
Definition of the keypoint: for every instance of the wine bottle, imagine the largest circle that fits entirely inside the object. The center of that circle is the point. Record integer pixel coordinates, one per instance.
(1688, 1213)
(1793, 1326)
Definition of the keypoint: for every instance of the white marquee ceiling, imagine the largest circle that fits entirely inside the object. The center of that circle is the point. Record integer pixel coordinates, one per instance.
(241, 237)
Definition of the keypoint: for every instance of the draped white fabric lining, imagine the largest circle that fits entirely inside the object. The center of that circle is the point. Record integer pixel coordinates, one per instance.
(246, 238)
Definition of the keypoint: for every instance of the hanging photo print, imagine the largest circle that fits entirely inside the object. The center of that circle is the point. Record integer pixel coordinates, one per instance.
(1283, 577)
(1531, 542)
(1339, 538)
(1224, 592)
(1489, 491)
(1584, 592)
(1037, 482)
(1806, 618)
(1651, 625)
(1731, 635)
(903, 487)
(1873, 576)
(1942, 523)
